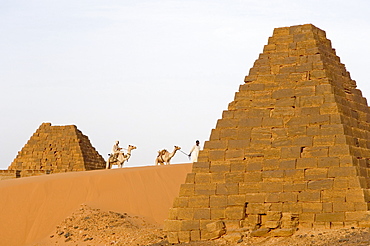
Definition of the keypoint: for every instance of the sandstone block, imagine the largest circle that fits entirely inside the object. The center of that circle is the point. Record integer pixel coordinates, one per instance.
(215, 226)
(249, 187)
(229, 133)
(201, 165)
(172, 214)
(173, 237)
(172, 225)
(288, 196)
(227, 189)
(272, 197)
(188, 225)
(287, 165)
(328, 162)
(218, 214)
(273, 215)
(343, 206)
(309, 196)
(234, 177)
(181, 202)
(280, 112)
(303, 141)
(238, 144)
(213, 231)
(218, 177)
(205, 189)
(332, 129)
(339, 150)
(250, 122)
(273, 153)
(195, 235)
(324, 140)
(255, 197)
(295, 123)
(330, 217)
(320, 184)
(202, 213)
(315, 151)
(309, 207)
(270, 164)
(236, 200)
(226, 123)
(272, 174)
(294, 175)
(235, 212)
(185, 213)
(365, 223)
(253, 176)
(355, 195)
(311, 101)
(238, 166)
(290, 152)
(219, 167)
(256, 208)
(338, 195)
(268, 121)
(184, 236)
(272, 187)
(187, 189)
(216, 155)
(218, 201)
(342, 172)
(233, 237)
(262, 232)
(284, 232)
(254, 166)
(199, 201)
(202, 178)
(216, 144)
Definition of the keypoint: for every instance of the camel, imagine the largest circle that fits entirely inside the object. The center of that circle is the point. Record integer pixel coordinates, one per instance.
(120, 159)
(164, 156)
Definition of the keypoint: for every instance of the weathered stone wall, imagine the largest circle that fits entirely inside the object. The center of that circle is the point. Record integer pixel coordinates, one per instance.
(53, 149)
(9, 174)
(293, 144)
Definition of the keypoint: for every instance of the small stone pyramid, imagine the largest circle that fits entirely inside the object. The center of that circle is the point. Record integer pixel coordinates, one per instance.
(292, 150)
(58, 149)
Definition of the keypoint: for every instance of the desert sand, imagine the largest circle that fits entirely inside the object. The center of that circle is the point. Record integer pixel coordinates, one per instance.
(118, 207)
(31, 208)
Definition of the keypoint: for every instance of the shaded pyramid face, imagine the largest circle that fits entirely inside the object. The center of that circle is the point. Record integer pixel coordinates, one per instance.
(58, 149)
(292, 150)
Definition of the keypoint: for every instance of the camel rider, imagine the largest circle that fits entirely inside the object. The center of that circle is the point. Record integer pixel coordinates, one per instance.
(116, 150)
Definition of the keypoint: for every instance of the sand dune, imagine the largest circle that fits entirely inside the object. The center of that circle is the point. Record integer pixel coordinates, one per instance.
(30, 208)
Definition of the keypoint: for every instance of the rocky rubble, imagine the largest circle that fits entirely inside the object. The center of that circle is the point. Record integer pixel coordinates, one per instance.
(89, 226)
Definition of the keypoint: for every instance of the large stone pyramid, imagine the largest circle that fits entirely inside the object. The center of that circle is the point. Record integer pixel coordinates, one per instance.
(292, 150)
(58, 149)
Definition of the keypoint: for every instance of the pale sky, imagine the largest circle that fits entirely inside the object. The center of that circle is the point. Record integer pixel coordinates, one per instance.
(153, 74)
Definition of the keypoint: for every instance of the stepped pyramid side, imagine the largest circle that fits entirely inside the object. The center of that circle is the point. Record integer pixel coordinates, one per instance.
(291, 150)
(58, 149)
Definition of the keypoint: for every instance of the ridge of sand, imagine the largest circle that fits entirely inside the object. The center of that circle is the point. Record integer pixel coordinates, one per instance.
(32, 207)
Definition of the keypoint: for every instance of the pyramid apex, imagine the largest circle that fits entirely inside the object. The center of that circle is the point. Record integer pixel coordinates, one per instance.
(297, 29)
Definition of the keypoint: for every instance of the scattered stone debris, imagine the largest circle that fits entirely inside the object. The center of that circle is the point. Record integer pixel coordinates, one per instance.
(88, 226)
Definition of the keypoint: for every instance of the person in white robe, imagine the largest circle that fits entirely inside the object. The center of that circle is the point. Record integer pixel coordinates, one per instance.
(194, 152)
